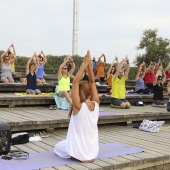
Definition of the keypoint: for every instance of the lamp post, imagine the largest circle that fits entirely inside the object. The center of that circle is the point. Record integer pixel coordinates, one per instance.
(75, 28)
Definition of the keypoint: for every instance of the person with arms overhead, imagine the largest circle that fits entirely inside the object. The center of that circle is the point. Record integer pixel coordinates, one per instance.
(82, 137)
(101, 69)
(31, 69)
(118, 85)
(110, 73)
(158, 99)
(41, 60)
(140, 83)
(64, 78)
(7, 60)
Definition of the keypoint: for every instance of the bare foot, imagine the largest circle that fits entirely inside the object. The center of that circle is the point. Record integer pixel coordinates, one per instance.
(88, 161)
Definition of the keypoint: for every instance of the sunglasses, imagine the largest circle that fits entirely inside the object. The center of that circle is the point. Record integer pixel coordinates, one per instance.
(65, 68)
(7, 59)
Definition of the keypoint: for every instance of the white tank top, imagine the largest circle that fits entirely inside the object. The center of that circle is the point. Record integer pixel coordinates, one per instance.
(82, 137)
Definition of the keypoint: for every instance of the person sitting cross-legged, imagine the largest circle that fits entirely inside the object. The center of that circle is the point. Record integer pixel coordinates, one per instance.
(140, 83)
(82, 137)
(31, 70)
(41, 60)
(64, 78)
(118, 86)
(110, 73)
(7, 61)
(158, 100)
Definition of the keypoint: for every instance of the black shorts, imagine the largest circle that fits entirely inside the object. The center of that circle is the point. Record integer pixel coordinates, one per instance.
(102, 79)
(117, 102)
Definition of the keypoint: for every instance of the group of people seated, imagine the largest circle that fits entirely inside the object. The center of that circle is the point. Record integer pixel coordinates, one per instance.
(151, 80)
(148, 79)
(34, 69)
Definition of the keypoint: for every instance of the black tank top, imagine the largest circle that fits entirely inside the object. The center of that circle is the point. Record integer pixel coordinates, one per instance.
(31, 81)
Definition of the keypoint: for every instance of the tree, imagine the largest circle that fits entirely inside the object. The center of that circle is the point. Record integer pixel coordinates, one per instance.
(154, 47)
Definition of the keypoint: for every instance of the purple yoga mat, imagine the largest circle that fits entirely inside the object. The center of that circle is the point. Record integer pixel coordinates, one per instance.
(49, 159)
(103, 114)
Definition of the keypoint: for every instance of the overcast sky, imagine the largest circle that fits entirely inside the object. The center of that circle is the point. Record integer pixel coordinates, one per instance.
(112, 27)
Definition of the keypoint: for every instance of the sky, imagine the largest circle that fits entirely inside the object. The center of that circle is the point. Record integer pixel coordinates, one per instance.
(112, 27)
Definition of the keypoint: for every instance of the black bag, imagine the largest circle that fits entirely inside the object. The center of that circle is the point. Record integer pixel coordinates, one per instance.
(19, 138)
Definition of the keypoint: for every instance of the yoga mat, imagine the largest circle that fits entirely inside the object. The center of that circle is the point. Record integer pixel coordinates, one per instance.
(49, 159)
(136, 94)
(103, 114)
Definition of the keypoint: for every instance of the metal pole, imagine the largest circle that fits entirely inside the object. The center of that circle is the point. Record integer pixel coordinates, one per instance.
(75, 28)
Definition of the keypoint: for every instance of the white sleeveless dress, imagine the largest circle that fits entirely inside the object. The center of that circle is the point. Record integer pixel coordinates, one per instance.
(82, 136)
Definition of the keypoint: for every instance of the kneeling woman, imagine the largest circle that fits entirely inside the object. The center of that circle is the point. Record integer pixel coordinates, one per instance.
(82, 137)
(31, 70)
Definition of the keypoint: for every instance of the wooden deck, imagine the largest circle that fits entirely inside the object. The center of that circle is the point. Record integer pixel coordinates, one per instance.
(37, 118)
(156, 146)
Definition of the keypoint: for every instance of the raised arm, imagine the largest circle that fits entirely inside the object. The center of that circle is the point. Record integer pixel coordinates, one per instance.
(119, 68)
(110, 68)
(72, 66)
(156, 77)
(76, 101)
(104, 58)
(127, 69)
(163, 76)
(2, 57)
(149, 67)
(44, 57)
(94, 95)
(12, 60)
(141, 66)
(61, 66)
(28, 63)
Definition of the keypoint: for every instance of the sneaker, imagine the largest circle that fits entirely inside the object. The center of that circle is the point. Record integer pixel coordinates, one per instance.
(51, 107)
(54, 107)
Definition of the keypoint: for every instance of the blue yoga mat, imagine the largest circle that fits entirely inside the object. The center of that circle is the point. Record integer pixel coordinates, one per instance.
(49, 159)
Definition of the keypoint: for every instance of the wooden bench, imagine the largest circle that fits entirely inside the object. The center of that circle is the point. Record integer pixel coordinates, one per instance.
(12, 100)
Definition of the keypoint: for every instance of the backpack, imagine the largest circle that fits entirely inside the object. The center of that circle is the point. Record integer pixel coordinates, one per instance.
(19, 138)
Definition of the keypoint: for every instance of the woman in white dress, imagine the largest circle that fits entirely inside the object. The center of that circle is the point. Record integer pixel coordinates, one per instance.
(82, 137)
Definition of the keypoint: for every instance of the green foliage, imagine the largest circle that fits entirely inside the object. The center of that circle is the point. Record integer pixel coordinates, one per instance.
(132, 73)
(154, 47)
(52, 65)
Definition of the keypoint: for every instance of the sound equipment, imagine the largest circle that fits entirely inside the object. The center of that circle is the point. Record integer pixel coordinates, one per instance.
(5, 138)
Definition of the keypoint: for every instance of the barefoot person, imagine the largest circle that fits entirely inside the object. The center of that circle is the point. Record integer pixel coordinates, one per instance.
(31, 70)
(140, 83)
(7, 60)
(110, 73)
(158, 99)
(41, 60)
(118, 99)
(82, 138)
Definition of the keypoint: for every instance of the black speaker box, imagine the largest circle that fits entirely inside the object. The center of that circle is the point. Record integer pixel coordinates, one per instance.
(5, 138)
